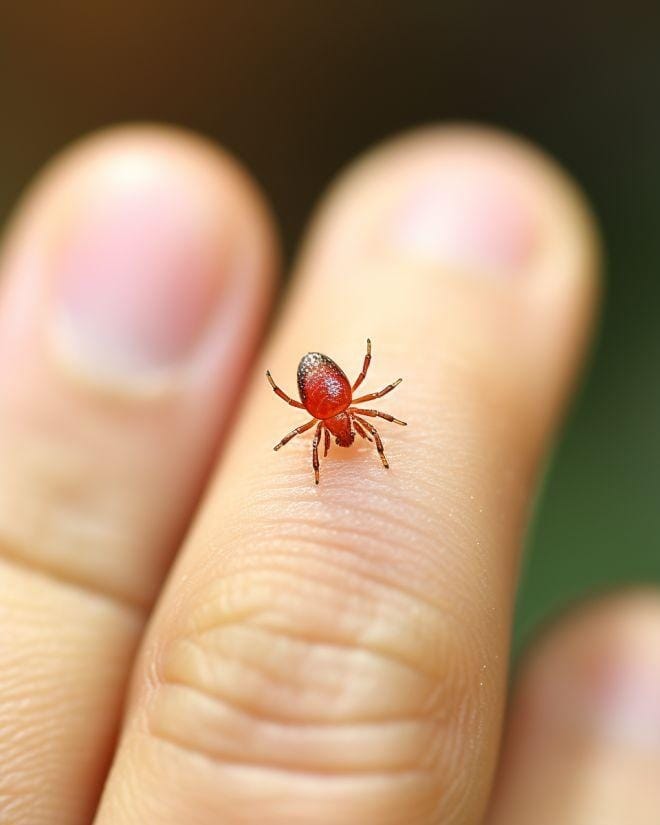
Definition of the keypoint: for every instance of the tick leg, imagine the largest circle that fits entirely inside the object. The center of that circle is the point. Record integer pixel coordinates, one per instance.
(326, 447)
(294, 433)
(282, 394)
(378, 414)
(380, 394)
(365, 367)
(379, 443)
(315, 451)
(360, 429)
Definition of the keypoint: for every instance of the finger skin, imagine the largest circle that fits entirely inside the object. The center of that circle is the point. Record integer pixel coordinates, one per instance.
(583, 739)
(338, 653)
(101, 468)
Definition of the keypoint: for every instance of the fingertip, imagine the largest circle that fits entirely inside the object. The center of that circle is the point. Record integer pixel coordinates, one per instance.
(585, 719)
(595, 650)
(142, 236)
(496, 238)
(465, 196)
(126, 160)
(136, 277)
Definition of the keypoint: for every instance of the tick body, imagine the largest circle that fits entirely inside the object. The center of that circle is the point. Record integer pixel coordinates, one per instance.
(327, 395)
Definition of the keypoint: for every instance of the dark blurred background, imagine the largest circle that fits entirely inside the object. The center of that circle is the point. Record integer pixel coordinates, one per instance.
(298, 87)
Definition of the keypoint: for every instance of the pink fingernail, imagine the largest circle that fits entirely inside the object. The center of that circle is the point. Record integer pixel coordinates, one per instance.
(626, 706)
(468, 212)
(140, 277)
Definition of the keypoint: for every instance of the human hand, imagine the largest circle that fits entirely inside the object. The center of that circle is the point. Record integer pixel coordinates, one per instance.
(330, 654)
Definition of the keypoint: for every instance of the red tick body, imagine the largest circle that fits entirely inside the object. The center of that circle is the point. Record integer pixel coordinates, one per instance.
(326, 393)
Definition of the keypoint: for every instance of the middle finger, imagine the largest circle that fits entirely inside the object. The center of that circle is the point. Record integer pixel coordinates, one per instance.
(338, 653)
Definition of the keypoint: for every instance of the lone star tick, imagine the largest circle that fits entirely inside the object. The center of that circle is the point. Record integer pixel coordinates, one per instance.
(327, 395)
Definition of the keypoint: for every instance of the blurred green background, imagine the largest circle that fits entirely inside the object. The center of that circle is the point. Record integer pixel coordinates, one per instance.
(298, 87)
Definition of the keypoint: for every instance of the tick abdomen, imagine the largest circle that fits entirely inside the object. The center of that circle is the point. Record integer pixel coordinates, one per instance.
(323, 386)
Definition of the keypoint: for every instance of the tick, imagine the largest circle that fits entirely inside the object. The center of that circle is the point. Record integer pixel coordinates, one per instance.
(327, 395)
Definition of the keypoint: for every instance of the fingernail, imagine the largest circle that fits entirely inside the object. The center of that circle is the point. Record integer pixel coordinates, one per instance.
(469, 212)
(608, 689)
(139, 276)
(625, 706)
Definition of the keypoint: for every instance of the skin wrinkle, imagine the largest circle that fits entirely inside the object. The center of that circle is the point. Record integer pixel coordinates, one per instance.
(418, 734)
(308, 721)
(55, 514)
(297, 771)
(272, 550)
(340, 549)
(335, 564)
(373, 517)
(38, 530)
(328, 589)
(332, 546)
(268, 681)
(40, 567)
(435, 704)
(458, 532)
(396, 557)
(334, 779)
(359, 646)
(169, 679)
(450, 615)
(317, 644)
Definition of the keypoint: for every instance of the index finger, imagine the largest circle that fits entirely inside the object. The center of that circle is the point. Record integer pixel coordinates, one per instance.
(135, 280)
(338, 653)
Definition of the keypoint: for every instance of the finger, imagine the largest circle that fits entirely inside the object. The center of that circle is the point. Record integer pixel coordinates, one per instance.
(583, 744)
(337, 653)
(134, 283)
